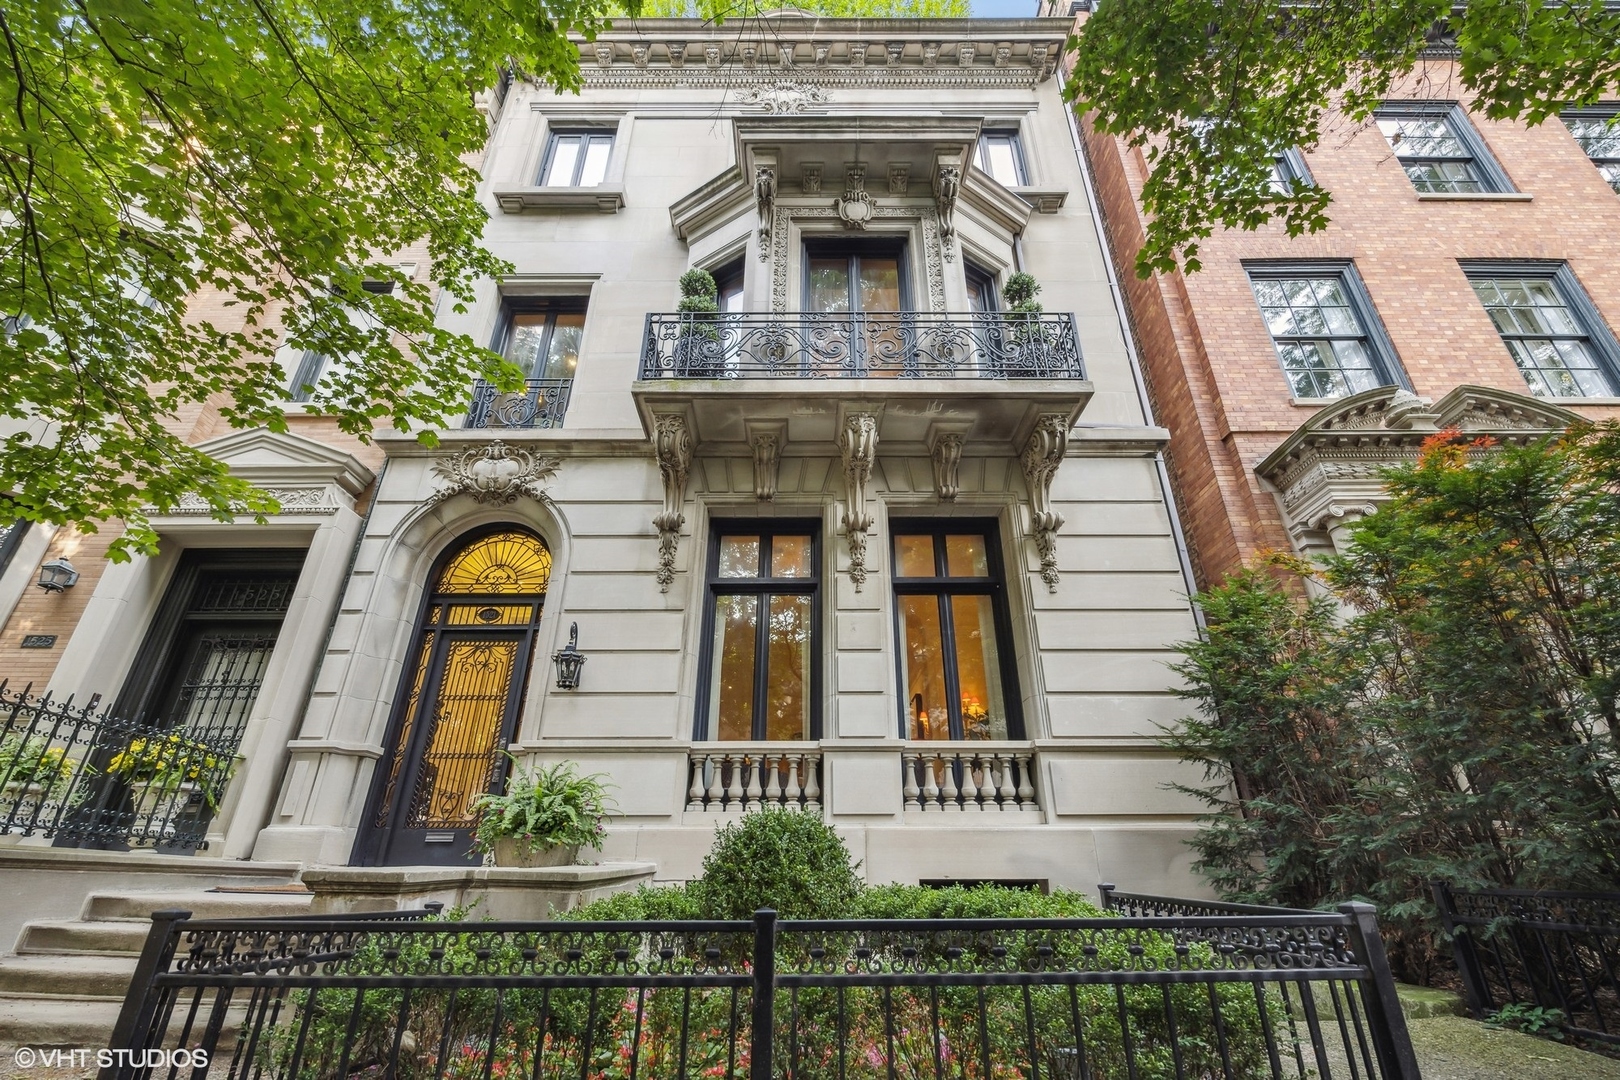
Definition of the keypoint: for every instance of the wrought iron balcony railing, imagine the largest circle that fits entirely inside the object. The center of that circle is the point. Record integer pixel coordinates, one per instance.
(893, 345)
(540, 404)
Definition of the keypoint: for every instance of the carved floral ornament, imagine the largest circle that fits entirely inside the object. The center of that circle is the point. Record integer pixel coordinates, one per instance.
(783, 96)
(672, 446)
(495, 474)
(1330, 469)
(813, 64)
(1042, 455)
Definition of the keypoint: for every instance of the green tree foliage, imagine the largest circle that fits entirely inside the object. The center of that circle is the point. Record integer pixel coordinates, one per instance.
(1214, 90)
(273, 151)
(1458, 723)
(720, 10)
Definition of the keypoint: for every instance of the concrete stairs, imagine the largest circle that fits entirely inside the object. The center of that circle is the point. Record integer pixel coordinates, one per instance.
(65, 982)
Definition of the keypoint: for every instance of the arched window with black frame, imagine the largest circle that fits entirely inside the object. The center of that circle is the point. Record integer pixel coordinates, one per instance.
(958, 679)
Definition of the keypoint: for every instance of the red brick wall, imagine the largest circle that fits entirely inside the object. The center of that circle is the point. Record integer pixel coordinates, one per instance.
(1210, 363)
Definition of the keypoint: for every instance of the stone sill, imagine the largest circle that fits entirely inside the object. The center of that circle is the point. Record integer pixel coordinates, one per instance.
(1044, 200)
(606, 198)
(1474, 196)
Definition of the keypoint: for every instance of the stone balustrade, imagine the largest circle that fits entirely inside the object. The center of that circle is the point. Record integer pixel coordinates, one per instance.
(745, 776)
(970, 778)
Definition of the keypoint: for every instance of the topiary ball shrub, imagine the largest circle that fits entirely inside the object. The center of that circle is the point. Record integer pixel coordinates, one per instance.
(777, 858)
(1019, 293)
(698, 292)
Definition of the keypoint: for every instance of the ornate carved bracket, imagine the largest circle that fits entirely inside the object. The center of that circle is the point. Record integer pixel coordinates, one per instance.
(857, 442)
(1041, 457)
(945, 448)
(767, 440)
(672, 445)
(947, 187)
(496, 474)
(765, 197)
(855, 207)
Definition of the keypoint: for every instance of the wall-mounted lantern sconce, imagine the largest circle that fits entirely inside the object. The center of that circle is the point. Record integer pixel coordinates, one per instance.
(569, 660)
(58, 574)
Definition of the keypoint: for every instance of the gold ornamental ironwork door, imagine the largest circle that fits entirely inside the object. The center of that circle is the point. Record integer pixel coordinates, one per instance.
(460, 701)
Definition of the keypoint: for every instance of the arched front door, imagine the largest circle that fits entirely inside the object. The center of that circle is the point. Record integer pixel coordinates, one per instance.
(459, 700)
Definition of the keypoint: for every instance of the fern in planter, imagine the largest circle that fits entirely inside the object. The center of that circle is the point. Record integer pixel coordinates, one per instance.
(552, 809)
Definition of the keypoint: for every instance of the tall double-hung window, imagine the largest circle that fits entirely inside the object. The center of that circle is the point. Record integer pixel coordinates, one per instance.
(1598, 132)
(760, 666)
(957, 677)
(1327, 337)
(1554, 334)
(1439, 149)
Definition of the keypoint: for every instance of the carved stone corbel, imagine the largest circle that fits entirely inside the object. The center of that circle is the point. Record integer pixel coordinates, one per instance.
(1042, 455)
(765, 198)
(947, 187)
(857, 442)
(672, 445)
(945, 448)
(767, 441)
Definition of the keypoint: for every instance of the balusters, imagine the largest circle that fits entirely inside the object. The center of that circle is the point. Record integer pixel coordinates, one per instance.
(970, 789)
(734, 781)
(908, 765)
(931, 783)
(1009, 792)
(791, 795)
(948, 789)
(968, 780)
(1026, 789)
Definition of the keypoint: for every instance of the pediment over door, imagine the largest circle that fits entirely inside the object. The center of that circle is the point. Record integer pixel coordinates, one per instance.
(1327, 473)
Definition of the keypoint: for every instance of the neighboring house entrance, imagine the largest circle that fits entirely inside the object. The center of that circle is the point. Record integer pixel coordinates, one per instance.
(159, 770)
(459, 702)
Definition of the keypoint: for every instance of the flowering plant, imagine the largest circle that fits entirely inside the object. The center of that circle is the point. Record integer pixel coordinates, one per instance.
(168, 760)
(552, 806)
(33, 760)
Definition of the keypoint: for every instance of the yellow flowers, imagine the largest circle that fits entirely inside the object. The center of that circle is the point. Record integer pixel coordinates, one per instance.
(168, 758)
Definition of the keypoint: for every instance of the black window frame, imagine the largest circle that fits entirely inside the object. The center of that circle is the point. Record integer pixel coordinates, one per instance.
(1493, 180)
(1600, 337)
(588, 132)
(714, 586)
(942, 585)
(732, 271)
(550, 306)
(1608, 111)
(1290, 166)
(1020, 163)
(971, 272)
(1380, 347)
(853, 248)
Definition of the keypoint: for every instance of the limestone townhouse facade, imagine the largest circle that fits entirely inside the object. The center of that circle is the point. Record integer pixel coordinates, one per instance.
(862, 542)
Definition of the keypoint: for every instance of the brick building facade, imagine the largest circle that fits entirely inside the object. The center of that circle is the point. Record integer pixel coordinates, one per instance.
(1261, 460)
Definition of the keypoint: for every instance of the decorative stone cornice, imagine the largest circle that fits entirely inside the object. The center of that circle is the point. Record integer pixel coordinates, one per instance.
(895, 53)
(1330, 469)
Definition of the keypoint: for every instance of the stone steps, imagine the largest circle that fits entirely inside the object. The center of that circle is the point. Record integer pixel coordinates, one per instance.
(65, 982)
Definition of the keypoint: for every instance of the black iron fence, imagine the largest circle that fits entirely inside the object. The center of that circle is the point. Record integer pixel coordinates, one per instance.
(1553, 950)
(85, 777)
(1286, 995)
(540, 404)
(853, 345)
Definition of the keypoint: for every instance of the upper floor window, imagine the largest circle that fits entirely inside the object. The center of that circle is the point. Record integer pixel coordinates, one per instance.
(1554, 334)
(311, 366)
(1439, 149)
(1002, 157)
(981, 288)
(728, 281)
(543, 339)
(956, 664)
(1286, 168)
(760, 660)
(1323, 326)
(1598, 132)
(860, 275)
(576, 158)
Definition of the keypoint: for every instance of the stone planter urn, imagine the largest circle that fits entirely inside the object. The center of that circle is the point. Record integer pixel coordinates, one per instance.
(511, 852)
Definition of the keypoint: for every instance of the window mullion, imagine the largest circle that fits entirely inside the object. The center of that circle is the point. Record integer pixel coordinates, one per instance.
(953, 680)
